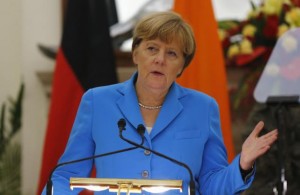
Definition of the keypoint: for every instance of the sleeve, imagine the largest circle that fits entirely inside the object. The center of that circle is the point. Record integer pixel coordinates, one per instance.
(80, 145)
(216, 175)
(246, 174)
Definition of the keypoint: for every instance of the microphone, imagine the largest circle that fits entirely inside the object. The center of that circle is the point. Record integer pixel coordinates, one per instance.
(141, 131)
(122, 124)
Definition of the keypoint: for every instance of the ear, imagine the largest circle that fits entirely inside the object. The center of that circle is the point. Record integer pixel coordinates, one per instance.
(134, 56)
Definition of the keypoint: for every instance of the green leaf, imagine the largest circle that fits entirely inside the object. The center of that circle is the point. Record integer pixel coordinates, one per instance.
(2, 129)
(16, 112)
(10, 152)
(10, 170)
(252, 5)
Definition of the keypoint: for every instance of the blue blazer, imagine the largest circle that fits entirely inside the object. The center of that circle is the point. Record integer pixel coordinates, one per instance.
(187, 129)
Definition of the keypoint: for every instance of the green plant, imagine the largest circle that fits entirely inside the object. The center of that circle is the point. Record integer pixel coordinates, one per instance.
(10, 168)
(10, 151)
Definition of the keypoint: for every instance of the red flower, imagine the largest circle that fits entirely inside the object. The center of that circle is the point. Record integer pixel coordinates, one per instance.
(226, 42)
(271, 28)
(244, 59)
(286, 8)
(296, 3)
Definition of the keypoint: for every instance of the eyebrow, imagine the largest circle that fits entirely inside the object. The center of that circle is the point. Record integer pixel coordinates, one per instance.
(157, 44)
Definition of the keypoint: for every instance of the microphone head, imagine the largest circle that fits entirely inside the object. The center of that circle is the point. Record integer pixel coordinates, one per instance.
(141, 129)
(121, 124)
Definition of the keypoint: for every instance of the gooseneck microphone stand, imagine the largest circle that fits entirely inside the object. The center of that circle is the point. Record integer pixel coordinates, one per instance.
(49, 182)
(141, 131)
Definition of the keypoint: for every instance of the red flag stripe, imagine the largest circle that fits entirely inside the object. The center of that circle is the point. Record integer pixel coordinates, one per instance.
(65, 98)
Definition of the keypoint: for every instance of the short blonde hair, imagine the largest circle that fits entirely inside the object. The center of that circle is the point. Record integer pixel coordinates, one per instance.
(166, 26)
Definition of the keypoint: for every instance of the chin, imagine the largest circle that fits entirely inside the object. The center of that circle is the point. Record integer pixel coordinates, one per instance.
(159, 87)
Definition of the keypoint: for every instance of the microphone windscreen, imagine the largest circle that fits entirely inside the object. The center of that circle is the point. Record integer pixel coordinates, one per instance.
(121, 123)
(141, 129)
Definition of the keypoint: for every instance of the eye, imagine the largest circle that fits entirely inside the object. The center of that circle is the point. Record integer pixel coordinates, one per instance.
(151, 48)
(172, 54)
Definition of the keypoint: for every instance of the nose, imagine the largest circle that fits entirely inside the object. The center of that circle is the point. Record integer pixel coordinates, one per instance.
(159, 57)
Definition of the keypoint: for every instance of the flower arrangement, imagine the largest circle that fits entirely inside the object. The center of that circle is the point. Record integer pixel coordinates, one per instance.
(249, 44)
(244, 41)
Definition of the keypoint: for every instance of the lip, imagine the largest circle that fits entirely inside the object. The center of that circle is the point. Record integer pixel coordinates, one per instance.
(157, 73)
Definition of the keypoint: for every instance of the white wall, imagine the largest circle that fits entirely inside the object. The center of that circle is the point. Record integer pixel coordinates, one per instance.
(10, 48)
(232, 9)
(40, 23)
(224, 9)
(24, 24)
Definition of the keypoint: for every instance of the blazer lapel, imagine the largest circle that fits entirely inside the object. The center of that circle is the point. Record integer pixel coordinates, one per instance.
(128, 103)
(171, 108)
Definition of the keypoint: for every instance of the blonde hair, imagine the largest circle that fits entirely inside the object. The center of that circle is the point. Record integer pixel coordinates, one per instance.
(166, 26)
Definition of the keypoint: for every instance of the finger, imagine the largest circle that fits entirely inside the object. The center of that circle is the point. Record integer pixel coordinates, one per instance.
(268, 140)
(263, 150)
(257, 129)
(271, 134)
(271, 139)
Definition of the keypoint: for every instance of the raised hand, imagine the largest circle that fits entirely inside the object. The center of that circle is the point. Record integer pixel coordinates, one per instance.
(255, 146)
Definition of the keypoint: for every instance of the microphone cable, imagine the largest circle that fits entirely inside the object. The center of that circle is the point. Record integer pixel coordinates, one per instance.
(49, 184)
(141, 131)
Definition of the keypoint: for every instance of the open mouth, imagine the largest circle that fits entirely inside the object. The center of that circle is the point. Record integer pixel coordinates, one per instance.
(157, 73)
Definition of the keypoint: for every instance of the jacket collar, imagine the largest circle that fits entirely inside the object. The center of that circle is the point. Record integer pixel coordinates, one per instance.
(128, 104)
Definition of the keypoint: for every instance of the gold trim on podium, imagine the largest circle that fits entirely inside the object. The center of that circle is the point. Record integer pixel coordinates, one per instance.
(126, 185)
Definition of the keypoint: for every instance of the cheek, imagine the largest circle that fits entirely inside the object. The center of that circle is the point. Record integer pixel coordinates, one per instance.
(139, 57)
(179, 69)
(174, 73)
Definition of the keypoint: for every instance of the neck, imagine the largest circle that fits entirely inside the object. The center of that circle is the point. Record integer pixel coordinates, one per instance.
(149, 98)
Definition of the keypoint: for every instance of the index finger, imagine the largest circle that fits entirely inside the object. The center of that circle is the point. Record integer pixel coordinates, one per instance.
(257, 129)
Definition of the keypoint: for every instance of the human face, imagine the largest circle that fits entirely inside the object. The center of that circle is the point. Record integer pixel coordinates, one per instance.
(158, 63)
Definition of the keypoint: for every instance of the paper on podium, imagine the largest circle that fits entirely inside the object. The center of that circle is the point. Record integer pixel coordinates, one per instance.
(281, 75)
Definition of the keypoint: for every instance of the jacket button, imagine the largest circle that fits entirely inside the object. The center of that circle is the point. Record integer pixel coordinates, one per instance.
(145, 174)
(147, 152)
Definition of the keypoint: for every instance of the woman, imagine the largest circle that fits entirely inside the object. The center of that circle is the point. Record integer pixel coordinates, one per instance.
(181, 123)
